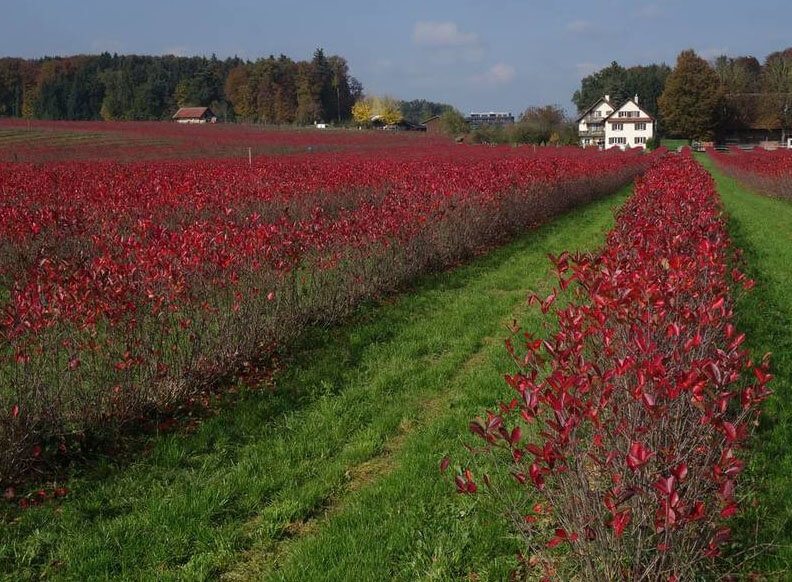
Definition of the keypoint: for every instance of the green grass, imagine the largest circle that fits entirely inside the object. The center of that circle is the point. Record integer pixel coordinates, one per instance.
(762, 228)
(674, 144)
(334, 475)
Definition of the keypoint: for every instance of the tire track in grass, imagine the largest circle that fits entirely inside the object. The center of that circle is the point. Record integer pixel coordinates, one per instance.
(334, 544)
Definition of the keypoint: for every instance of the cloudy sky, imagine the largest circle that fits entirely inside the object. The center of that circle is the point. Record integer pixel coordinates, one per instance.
(477, 55)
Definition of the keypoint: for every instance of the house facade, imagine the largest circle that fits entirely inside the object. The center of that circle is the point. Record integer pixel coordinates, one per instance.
(591, 125)
(605, 126)
(629, 126)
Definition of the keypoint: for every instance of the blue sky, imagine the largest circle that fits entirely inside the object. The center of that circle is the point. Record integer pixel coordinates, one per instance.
(497, 55)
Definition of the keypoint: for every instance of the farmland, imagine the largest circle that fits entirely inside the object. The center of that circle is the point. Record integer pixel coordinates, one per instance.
(216, 366)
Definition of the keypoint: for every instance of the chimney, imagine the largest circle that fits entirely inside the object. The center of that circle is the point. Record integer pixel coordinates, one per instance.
(607, 98)
(636, 99)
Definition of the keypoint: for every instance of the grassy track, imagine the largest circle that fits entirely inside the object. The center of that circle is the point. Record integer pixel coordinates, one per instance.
(762, 227)
(334, 475)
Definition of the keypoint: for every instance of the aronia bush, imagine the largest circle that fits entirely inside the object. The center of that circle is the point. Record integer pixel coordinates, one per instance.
(625, 430)
(127, 288)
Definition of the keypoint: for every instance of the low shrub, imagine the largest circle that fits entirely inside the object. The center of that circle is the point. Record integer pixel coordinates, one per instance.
(625, 432)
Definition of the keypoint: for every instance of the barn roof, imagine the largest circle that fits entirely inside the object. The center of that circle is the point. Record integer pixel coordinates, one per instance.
(191, 112)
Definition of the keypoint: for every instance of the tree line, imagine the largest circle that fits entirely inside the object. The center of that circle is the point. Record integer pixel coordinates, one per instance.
(133, 87)
(702, 99)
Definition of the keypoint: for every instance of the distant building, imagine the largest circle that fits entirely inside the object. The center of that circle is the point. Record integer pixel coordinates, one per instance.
(433, 125)
(377, 122)
(591, 125)
(194, 115)
(491, 119)
(604, 126)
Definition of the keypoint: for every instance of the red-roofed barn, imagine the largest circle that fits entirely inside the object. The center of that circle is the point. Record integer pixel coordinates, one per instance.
(194, 115)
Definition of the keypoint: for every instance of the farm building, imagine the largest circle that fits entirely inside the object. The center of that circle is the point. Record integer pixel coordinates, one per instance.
(604, 126)
(194, 115)
(491, 119)
(433, 125)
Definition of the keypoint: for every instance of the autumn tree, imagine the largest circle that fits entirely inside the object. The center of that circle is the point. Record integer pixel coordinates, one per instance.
(691, 101)
(453, 123)
(776, 106)
(362, 111)
(239, 92)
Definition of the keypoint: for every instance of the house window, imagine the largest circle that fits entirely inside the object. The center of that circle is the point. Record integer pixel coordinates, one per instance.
(618, 126)
(640, 140)
(617, 140)
(640, 127)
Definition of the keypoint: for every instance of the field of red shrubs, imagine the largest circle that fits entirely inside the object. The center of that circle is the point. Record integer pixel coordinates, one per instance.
(126, 288)
(644, 395)
(47, 141)
(767, 171)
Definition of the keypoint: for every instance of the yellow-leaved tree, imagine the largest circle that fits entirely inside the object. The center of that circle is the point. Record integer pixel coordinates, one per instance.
(385, 109)
(362, 111)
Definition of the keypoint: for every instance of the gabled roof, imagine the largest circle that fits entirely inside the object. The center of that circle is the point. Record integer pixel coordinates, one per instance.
(587, 111)
(192, 113)
(643, 117)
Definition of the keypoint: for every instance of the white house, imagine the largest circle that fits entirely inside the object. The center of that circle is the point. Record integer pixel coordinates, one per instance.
(604, 126)
(591, 125)
(629, 126)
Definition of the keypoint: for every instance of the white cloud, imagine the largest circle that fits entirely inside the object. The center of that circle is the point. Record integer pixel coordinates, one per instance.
(442, 35)
(579, 26)
(498, 74)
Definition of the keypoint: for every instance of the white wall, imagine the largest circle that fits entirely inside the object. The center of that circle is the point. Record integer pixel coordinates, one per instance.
(629, 131)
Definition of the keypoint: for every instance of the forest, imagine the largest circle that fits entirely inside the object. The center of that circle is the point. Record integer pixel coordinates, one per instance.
(276, 90)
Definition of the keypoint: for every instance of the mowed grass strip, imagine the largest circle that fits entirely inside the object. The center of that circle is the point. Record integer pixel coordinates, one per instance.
(762, 227)
(334, 475)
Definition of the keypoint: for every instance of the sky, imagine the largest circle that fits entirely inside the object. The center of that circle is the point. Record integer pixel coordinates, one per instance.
(503, 55)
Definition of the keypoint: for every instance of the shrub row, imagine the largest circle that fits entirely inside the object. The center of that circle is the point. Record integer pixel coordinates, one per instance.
(126, 289)
(766, 171)
(637, 406)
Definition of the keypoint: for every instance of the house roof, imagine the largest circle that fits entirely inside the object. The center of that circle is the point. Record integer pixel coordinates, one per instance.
(587, 111)
(644, 117)
(191, 112)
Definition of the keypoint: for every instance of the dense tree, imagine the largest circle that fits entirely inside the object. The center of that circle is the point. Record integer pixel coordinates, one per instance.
(776, 82)
(419, 110)
(622, 84)
(692, 99)
(452, 122)
(270, 90)
(540, 124)
(740, 80)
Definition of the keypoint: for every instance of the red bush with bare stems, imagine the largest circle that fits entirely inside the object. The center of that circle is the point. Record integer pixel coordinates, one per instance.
(767, 171)
(628, 421)
(127, 288)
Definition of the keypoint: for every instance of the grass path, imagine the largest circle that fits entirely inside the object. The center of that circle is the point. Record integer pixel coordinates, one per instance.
(334, 474)
(762, 227)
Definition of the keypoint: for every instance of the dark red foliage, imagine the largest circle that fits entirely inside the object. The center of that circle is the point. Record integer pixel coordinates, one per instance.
(644, 393)
(767, 171)
(128, 288)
